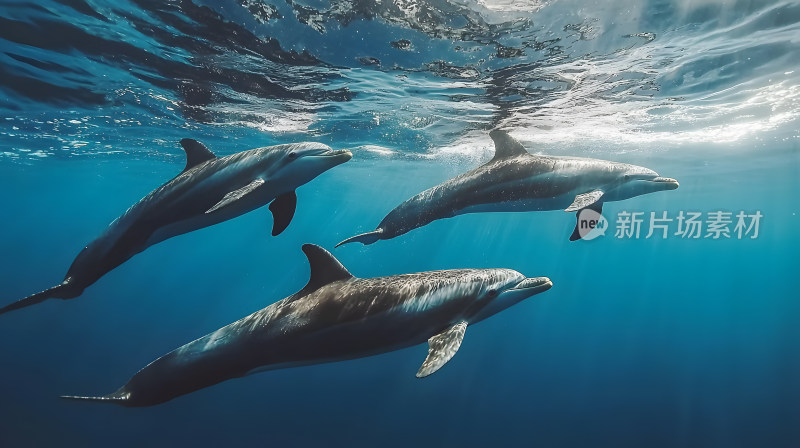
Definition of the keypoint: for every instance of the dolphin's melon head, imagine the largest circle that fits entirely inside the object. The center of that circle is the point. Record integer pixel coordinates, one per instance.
(638, 180)
(299, 163)
(503, 288)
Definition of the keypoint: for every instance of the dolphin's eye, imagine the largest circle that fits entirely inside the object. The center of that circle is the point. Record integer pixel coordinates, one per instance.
(491, 293)
(292, 155)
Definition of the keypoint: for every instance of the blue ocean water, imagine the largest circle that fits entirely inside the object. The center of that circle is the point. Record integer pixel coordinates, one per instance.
(642, 342)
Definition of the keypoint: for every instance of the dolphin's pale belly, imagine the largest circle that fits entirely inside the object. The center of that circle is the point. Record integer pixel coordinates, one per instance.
(235, 351)
(202, 220)
(327, 332)
(175, 208)
(521, 205)
(541, 192)
(346, 342)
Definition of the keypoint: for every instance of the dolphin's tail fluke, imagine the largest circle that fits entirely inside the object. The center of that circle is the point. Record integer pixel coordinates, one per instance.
(364, 238)
(119, 397)
(60, 291)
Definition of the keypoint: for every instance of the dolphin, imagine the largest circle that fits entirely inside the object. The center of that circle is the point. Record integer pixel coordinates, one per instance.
(515, 181)
(208, 191)
(335, 317)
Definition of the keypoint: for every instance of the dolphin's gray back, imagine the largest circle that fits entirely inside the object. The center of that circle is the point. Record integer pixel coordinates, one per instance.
(356, 301)
(344, 319)
(522, 178)
(238, 169)
(341, 320)
(166, 195)
(131, 232)
(526, 176)
(503, 180)
(328, 320)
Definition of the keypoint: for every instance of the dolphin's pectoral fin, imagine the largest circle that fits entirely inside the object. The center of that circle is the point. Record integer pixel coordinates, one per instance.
(196, 153)
(584, 200)
(441, 349)
(576, 234)
(235, 195)
(282, 209)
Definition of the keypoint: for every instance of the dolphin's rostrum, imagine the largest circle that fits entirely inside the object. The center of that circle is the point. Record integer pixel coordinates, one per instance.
(335, 317)
(208, 191)
(516, 181)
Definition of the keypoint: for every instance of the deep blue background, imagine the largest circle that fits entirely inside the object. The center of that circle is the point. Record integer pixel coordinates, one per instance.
(639, 343)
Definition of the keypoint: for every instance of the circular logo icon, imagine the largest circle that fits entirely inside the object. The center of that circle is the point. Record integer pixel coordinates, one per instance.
(591, 224)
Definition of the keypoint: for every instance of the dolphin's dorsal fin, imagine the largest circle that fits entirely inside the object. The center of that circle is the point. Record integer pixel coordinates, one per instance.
(325, 268)
(441, 348)
(505, 145)
(196, 153)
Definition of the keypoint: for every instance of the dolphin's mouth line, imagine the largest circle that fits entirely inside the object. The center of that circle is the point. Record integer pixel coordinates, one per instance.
(543, 283)
(668, 180)
(333, 153)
